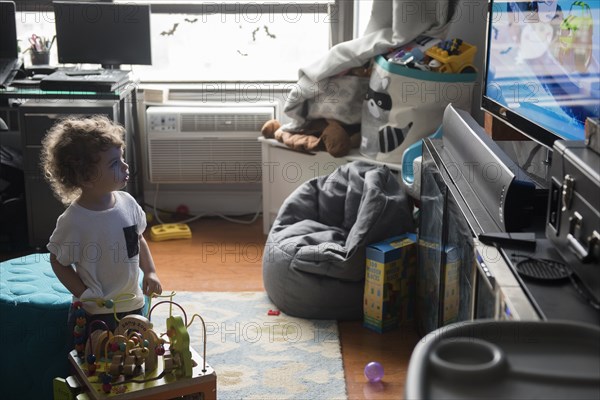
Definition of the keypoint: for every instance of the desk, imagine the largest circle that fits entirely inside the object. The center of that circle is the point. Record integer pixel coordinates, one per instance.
(166, 387)
(37, 93)
(38, 110)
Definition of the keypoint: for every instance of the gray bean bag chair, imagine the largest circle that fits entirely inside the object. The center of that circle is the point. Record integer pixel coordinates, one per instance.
(314, 258)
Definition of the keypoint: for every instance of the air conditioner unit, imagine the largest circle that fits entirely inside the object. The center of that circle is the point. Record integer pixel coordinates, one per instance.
(205, 144)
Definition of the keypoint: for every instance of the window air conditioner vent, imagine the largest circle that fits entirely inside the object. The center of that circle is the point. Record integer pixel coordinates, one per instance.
(205, 144)
(223, 122)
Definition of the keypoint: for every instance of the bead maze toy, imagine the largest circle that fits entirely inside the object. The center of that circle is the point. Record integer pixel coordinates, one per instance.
(135, 361)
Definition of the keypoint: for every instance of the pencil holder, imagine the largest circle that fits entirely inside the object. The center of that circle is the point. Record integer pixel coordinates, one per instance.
(40, 57)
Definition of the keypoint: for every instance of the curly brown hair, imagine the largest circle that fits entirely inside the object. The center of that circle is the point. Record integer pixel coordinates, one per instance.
(71, 149)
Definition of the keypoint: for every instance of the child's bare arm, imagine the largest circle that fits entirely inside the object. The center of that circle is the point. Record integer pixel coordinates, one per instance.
(151, 283)
(67, 276)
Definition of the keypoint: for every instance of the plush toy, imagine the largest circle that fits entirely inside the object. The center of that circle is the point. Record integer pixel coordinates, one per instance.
(318, 135)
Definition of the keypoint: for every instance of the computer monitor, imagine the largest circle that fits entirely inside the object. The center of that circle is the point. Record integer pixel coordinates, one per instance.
(103, 33)
(542, 73)
(8, 31)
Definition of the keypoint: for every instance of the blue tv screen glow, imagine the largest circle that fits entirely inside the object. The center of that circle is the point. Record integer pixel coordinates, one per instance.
(542, 71)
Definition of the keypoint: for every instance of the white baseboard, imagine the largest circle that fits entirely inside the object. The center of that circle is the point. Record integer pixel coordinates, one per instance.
(206, 202)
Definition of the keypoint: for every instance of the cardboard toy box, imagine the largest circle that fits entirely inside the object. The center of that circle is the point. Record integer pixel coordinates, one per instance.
(390, 283)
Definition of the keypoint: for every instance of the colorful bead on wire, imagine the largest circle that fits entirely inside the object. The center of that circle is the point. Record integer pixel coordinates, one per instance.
(79, 329)
(79, 337)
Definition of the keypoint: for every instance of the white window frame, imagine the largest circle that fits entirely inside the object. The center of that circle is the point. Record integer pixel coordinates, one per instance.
(340, 12)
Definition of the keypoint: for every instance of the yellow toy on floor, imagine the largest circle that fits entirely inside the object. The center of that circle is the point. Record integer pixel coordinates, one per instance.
(170, 231)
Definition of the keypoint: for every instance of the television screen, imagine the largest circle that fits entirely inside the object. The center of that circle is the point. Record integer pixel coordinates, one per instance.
(542, 71)
(103, 33)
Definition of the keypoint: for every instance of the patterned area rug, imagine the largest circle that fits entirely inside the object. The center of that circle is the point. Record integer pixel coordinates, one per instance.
(258, 356)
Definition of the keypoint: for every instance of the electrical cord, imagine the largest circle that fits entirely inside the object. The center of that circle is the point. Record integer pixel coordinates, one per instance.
(196, 217)
(532, 155)
(162, 210)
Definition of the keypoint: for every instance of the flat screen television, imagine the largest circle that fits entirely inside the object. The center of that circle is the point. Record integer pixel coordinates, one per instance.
(542, 73)
(103, 33)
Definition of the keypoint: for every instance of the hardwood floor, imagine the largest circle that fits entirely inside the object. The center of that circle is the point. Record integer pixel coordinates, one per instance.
(221, 256)
(224, 256)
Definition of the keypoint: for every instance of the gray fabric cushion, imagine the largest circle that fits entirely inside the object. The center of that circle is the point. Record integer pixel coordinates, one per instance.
(314, 258)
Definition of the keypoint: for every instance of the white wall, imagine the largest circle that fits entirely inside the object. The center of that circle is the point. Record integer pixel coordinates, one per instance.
(469, 24)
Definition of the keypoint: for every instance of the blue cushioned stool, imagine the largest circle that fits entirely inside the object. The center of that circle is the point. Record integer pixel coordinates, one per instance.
(34, 306)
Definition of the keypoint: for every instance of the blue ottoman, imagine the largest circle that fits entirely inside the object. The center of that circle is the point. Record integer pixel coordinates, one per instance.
(34, 307)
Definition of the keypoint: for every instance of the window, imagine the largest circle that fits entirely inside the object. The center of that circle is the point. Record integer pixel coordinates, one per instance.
(362, 13)
(229, 41)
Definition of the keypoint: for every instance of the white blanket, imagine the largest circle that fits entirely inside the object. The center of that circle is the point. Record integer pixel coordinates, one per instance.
(392, 24)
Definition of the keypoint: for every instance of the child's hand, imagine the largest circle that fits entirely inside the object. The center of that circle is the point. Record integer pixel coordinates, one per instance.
(151, 284)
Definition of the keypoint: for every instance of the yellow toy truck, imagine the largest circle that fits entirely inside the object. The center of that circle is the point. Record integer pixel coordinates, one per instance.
(452, 56)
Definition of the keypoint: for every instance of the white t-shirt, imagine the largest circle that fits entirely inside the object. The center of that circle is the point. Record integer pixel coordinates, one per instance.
(104, 247)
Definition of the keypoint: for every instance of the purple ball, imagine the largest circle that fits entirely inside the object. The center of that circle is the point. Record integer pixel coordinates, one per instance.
(374, 371)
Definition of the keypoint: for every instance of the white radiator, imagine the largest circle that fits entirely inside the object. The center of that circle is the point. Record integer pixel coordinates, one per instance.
(205, 144)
